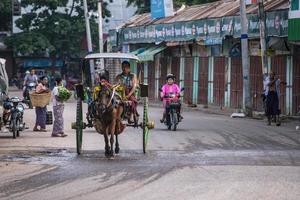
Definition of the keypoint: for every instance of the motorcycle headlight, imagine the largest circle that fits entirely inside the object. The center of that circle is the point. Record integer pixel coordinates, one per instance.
(20, 108)
(31, 84)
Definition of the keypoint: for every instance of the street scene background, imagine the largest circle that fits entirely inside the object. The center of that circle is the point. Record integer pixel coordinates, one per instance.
(225, 54)
(210, 156)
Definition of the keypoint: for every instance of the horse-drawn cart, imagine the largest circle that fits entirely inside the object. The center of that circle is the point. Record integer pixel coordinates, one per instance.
(86, 85)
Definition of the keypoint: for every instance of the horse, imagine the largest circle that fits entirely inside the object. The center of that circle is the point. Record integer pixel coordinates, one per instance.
(107, 118)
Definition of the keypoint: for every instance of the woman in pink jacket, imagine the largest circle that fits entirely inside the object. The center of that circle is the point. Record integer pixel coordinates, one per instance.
(169, 88)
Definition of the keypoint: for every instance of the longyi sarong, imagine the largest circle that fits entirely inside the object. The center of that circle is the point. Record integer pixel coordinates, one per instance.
(41, 117)
(134, 102)
(58, 125)
(272, 104)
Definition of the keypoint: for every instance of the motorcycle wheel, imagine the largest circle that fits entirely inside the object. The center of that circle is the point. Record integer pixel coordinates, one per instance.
(14, 128)
(174, 121)
(18, 127)
(169, 121)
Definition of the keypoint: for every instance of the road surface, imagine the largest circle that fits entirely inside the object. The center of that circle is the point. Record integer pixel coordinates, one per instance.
(209, 157)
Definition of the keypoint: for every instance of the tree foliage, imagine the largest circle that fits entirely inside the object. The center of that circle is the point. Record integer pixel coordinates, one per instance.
(54, 27)
(143, 6)
(5, 15)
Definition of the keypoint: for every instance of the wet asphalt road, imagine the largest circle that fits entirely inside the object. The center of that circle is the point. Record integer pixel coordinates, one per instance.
(209, 157)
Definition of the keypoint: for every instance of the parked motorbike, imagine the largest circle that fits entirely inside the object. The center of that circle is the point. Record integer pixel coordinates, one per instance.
(173, 106)
(30, 87)
(13, 115)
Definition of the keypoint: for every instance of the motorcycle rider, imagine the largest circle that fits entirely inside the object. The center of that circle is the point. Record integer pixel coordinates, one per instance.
(168, 88)
(29, 78)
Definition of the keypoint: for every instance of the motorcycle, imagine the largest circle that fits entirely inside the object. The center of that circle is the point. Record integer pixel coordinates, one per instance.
(30, 87)
(13, 115)
(173, 106)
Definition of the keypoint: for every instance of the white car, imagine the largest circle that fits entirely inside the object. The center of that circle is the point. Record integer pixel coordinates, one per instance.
(3, 77)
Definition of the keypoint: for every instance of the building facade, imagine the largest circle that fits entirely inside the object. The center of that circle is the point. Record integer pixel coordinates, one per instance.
(201, 46)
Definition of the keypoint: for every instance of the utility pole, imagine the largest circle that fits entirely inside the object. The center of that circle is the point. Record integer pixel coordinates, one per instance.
(16, 10)
(100, 26)
(247, 104)
(89, 40)
(262, 28)
(100, 32)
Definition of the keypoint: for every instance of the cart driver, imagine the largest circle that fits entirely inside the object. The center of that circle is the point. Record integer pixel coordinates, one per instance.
(129, 81)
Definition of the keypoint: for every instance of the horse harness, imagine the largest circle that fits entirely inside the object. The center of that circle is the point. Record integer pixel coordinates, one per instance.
(115, 100)
(103, 110)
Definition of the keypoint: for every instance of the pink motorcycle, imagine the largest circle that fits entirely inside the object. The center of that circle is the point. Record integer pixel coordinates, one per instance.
(173, 107)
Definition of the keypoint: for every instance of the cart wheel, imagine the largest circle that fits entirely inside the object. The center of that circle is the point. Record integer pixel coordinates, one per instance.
(145, 125)
(79, 126)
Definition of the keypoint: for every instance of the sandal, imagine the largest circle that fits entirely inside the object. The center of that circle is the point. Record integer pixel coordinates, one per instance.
(63, 135)
(55, 135)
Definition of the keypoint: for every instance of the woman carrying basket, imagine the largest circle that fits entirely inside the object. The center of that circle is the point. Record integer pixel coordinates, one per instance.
(41, 112)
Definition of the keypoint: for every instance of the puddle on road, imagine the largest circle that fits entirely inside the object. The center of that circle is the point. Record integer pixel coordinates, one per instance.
(52, 157)
(64, 157)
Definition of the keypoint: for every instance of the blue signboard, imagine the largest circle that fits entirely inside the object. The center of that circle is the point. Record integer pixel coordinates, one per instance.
(161, 8)
(157, 9)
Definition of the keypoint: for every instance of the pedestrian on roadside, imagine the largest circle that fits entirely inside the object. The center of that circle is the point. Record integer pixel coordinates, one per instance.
(41, 112)
(46, 74)
(272, 94)
(58, 110)
(64, 81)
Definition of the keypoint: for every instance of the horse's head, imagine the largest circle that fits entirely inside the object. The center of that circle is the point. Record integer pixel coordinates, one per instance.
(104, 100)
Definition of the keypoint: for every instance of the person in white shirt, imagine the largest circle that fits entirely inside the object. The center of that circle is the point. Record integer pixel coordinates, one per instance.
(58, 110)
(272, 93)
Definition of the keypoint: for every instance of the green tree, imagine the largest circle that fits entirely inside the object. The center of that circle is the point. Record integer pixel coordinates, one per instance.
(5, 15)
(53, 27)
(143, 6)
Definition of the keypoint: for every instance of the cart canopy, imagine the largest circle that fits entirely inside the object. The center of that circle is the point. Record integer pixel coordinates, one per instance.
(124, 56)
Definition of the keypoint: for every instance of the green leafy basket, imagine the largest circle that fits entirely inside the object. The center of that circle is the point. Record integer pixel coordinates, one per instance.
(63, 94)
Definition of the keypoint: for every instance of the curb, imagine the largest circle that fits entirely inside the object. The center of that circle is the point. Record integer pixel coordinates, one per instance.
(214, 110)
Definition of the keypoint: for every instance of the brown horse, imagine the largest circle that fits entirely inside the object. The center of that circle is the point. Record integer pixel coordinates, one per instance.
(107, 120)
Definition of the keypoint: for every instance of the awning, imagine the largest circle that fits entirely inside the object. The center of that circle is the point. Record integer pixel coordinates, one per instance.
(41, 63)
(148, 54)
(138, 51)
(278, 43)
